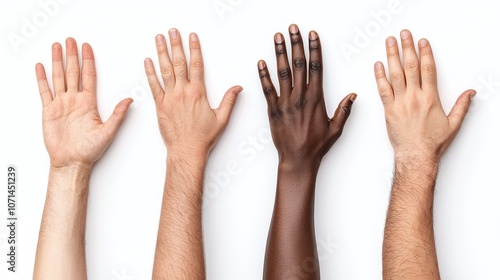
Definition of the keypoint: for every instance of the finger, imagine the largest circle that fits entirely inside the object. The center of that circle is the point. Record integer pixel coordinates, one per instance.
(196, 73)
(178, 57)
(166, 68)
(383, 85)
(43, 85)
(315, 63)
(460, 109)
(58, 69)
(267, 86)
(89, 76)
(299, 60)
(410, 60)
(396, 74)
(341, 115)
(72, 65)
(116, 119)
(427, 67)
(153, 82)
(227, 104)
(284, 72)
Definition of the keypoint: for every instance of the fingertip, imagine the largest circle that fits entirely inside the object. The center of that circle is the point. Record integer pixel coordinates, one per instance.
(353, 97)
(193, 38)
(422, 43)
(237, 89)
(261, 64)
(472, 93)
(160, 39)
(148, 62)
(313, 35)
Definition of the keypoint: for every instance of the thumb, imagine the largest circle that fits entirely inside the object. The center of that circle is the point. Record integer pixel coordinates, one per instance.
(115, 120)
(460, 109)
(227, 104)
(342, 114)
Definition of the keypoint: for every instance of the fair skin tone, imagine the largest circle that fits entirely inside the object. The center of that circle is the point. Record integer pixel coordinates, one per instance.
(190, 129)
(303, 133)
(75, 138)
(420, 132)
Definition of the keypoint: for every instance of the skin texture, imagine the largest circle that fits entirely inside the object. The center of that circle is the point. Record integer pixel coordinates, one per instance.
(190, 128)
(302, 133)
(75, 138)
(420, 132)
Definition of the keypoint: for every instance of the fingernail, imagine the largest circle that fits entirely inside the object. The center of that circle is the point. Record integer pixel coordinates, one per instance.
(353, 97)
(405, 34)
(378, 65)
(193, 38)
(473, 94)
(422, 43)
(294, 29)
(238, 90)
(261, 65)
(313, 35)
(160, 39)
(391, 41)
(278, 38)
(173, 33)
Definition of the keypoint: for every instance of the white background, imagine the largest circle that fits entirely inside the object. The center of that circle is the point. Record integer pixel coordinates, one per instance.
(354, 181)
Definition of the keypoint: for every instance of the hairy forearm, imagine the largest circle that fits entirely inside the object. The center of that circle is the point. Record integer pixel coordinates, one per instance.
(61, 244)
(179, 248)
(409, 250)
(291, 246)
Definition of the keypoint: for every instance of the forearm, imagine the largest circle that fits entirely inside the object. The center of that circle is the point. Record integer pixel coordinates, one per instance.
(61, 243)
(179, 249)
(291, 246)
(409, 250)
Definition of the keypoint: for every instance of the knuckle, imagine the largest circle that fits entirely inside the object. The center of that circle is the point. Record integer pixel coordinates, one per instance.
(411, 66)
(314, 46)
(165, 70)
(284, 74)
(179, 62)
(263, 73)
(300, 103)
(299, 62)
(429, 69)
(197, 64)
(296, 40)
(275, 113)
(268, 90)
(396, 76)
(315, 66)
(280, 50)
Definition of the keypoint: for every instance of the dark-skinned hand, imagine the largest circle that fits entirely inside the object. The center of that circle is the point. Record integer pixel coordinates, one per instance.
(300, 126)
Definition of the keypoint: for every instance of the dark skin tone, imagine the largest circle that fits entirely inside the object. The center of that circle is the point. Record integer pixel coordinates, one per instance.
(302, 133)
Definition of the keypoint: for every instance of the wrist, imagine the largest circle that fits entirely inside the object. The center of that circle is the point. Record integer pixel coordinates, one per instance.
(69, 180)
